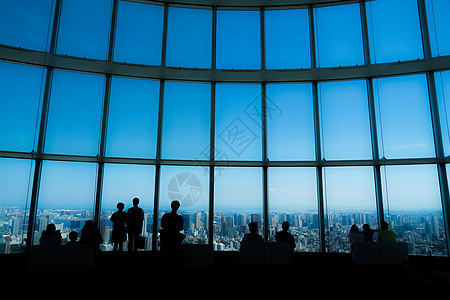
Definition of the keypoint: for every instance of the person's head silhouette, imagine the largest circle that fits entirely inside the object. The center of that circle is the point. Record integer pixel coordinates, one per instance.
(175, 205)
(252, 226)
(285, 225)
(120, 206)
(135, 201)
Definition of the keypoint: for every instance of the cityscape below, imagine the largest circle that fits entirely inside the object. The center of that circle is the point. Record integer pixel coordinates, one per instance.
(423, 231)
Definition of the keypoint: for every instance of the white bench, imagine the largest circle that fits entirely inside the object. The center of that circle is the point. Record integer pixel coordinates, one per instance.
(380, 252)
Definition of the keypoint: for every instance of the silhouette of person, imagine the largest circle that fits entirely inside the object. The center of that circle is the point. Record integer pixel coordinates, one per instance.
(135, 220)
(285, 236)
(50, 236)
(91, 236)
(368, 233)
(73, 237)
(170, 235)
(385, 234)
(119, 232)
(355, 235)
(252, 236)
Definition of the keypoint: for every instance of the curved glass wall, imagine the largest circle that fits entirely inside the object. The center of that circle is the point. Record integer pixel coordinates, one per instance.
(322, 115)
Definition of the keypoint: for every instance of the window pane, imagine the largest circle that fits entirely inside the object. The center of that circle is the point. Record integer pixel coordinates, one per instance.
(290, 122)
(66, 197)
(84, 28)
(74, 117)
(404, 117)
(442, 80)
(122, 183)
(338, 36)
(26, 23)
(238, 121)
(139, 33)
(237, 202)
(186, 120)
(20, 107)
(394, 30)
(349, 196)
(132, 118)
(16, 182)
(190, 186)
(189, 38)
(438, 24)
(345, 120)
(413, 209)
(287, 39)
(238, 40)
(293, 198)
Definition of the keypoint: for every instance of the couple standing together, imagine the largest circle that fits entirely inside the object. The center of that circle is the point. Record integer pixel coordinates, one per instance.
(131, 222)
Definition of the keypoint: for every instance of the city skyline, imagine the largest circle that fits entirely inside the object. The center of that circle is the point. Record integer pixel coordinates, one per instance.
(424, 232)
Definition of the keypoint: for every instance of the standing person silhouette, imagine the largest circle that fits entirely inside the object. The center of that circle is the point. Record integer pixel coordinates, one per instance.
(171, 237)
(119, 232)
(135, 220)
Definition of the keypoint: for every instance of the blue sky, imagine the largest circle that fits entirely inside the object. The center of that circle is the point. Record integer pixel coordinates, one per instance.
(76, 105)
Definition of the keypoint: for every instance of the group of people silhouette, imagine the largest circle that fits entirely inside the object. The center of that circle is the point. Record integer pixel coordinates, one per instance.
(281, 236)
(89, 236)
(126, 225)
(384, 234)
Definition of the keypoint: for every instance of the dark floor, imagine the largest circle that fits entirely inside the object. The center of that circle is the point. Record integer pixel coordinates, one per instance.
(323, 275)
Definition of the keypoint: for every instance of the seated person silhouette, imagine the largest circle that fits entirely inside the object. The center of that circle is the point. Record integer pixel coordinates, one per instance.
(385, 234)
(285, 236)
(368, 233)
(252, 236)
(73, 237)
(50, 236)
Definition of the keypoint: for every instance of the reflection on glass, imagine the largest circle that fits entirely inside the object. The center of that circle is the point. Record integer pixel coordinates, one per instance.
(238, 40)
(74, 117)
(26, 23)
(287, 39)
(138, 33)
(345, 120)
(237, 202)
(404, 117)
(189, 37)
(412, 205)
(190, 186)
(442, 80)
(290, 122)
(438, 24)
(122, 183)
(349, 198)
(132, 118)
(238, 122)
(84, 28)
(20, 107)
(186, 120)
(66, 197)
(338, 35)
(16, 181)
(293, 198)
(394, 30)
